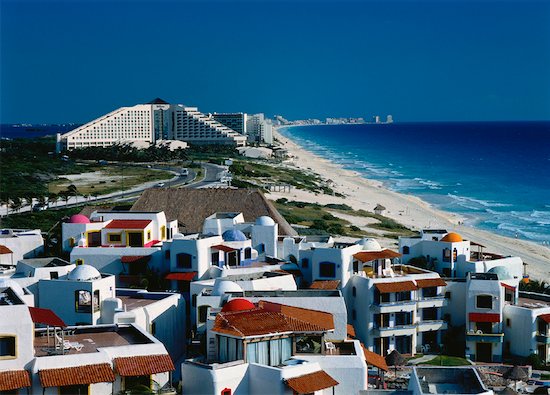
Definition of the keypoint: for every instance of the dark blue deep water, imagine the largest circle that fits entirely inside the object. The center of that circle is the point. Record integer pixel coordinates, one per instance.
(496, 174)
(33, 131)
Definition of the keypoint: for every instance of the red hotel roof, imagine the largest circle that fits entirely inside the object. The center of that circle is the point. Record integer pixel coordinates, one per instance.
(143, 365)
(14, 379)
(309, 383)
(46, 317)
(87, 374)
(484, 317)
(325, 284)
(187, 276)
(128, 224)
(400, 286)
(5, 250)
(374, 359)
(545, 317)
(430, 282)
(367, 256)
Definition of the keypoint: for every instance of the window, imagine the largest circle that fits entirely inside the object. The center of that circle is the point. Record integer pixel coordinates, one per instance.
(137, 382)
(305, 263)
(485, 327)
(97, 304)
(81, 389)
(79, 262)
(162, 232)
(484, 302)
(148, 235)
(448, 295)
(508, 296)
(54, 275)
(353, 315)
(446, 255)
(247, 253)
(327, 269)
(406, 250)
(7, 347)
(226, 391)
(114, 237)
(355, 267)
(429, 292)
(203, 311)
(308, 344)
(71, 242)
(354, 292)
(194, 300)
(83, 301)
(508, 322)
(216, 258)
(183, 261)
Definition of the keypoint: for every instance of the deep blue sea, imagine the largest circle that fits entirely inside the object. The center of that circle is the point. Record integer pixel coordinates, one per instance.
(495, 174)
(28, 131)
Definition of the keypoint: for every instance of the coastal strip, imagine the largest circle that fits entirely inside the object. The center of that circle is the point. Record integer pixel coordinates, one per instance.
(411, 211)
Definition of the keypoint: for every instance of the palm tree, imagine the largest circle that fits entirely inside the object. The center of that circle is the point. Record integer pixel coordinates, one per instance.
(72, 189)
(16, 203)
(52, 198)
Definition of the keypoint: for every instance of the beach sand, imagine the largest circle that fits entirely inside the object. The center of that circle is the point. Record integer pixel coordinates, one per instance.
(361, 193)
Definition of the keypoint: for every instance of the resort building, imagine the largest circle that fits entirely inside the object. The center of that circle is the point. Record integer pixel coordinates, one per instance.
(147, 123)
(269, 345)
(16, 244)
(451, 256)
(259, 129)
(236, 121)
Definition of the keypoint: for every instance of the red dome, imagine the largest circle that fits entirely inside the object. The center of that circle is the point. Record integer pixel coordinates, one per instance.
(238, 305)
(79, 219)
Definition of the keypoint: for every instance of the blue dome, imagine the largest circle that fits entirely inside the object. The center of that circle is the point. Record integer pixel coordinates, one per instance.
(264, 220)
(233, 235)
(501, 272)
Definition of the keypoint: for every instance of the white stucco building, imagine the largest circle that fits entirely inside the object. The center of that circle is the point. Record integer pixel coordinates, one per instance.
(148, 123)
(16, 244)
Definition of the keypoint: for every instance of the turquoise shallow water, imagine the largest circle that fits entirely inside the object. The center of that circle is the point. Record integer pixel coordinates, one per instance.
(496, 174)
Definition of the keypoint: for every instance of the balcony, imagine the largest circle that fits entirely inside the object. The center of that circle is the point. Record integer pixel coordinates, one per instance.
(398, 330)
(436, 301)
(484, 337)
(431, 325)
(395, 307)
(543, 339)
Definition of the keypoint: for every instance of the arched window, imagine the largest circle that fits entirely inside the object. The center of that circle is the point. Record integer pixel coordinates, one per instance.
(247, 253)
(406, 250)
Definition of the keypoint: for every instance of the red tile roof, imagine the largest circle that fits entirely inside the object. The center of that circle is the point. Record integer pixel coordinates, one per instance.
(187, 276)
(271, 318)
(135, 258)
(311, 382)
(128, 224)
(223, 248)
(545, 317)
(374, 359)
(14, 379)
(5, 250)
(430, 282)
(87, 374)
(484, 317)
(327, 284)
(46, 317)
(367, 256)
(143, 365)
(395, 286)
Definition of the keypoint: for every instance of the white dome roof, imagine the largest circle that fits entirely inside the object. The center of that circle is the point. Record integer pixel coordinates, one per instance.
(222, 286)
(264, 220)
(9, 283)
(84, 273)
(369, 244)
(178, 236)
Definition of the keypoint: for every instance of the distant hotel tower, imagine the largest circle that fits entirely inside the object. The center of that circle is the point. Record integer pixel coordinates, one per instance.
(234, 120)
(156, 120)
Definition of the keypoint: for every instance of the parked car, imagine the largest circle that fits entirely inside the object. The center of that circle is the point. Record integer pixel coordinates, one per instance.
(39, 207)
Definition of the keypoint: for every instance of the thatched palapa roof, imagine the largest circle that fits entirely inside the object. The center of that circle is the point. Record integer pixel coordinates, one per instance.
(191, 206)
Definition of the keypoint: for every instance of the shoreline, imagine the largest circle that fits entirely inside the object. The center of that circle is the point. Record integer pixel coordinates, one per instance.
(409, 210)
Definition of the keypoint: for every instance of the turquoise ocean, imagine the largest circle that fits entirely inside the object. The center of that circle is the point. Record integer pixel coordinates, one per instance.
(494, 174)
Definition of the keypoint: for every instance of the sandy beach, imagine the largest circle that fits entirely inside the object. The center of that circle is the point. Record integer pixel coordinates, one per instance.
(361, 193)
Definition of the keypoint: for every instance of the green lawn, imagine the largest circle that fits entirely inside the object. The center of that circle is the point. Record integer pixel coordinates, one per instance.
(445, 360)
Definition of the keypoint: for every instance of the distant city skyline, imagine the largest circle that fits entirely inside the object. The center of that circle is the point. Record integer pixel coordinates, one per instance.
(450, 60)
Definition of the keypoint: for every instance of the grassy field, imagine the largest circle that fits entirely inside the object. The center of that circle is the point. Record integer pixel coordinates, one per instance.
(112, 178)
(320, 218)
(445, 360)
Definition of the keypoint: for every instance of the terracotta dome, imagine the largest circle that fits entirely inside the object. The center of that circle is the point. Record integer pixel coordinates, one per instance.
(452, 237)
(238, 305)
(79, 219)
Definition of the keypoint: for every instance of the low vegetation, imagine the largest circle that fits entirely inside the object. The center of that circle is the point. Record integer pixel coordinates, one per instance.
(446, 360)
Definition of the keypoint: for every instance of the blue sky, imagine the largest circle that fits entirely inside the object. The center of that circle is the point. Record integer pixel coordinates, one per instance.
(72, 61)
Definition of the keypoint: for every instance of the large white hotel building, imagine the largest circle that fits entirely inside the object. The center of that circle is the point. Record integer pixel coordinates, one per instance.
(150, 122)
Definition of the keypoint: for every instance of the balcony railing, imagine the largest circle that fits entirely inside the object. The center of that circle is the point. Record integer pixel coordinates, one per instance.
(398, 330)
(484, 337)
(435, 301)
(392, 307)
(431, 325)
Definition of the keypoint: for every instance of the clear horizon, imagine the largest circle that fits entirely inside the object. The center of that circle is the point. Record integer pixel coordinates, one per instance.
(420, 61)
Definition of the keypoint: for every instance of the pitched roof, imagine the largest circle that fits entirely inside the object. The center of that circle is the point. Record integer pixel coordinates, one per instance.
(326, 284)
(128, 224)
(143, 365)
(14, 379)
(5, 250)
(430, 282)
(272, 318)
(46, 317)
(374, 359)
(158, 100)
(74, 375)
(367, 256)
(395, 286)
(191, 206)
(181, 276)
(309, 383)
(545, 317)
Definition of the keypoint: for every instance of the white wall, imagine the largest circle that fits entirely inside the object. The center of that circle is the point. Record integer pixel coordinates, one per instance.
(25, 244)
